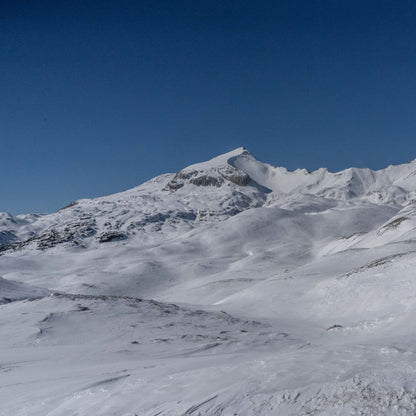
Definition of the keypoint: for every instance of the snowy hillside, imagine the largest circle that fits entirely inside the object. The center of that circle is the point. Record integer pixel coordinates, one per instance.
(229, 288)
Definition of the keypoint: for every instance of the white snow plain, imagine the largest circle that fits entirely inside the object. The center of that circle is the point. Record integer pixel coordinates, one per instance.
(230, 288)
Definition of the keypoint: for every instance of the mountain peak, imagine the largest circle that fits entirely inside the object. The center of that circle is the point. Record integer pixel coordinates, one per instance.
(214, 172)
(220, 160)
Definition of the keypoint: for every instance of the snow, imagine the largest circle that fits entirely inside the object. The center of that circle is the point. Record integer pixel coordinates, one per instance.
(231, 287)
(11, 290)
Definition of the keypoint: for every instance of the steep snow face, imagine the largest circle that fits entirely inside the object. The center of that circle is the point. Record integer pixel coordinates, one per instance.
(396, 184)
(294, 294)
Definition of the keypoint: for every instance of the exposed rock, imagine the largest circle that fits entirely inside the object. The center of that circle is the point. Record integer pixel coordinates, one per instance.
(240, 179)
(72, 233)
(173, 186)
(205, 180)
(393, 224)
(111, 236)
(336, 326)
(7, 237)
(215, 177)
(72, 204)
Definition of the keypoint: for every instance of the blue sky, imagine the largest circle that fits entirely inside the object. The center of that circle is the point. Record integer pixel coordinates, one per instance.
(97, 97)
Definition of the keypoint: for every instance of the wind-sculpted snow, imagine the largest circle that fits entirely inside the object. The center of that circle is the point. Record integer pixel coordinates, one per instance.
(11, 291)
(229, 288)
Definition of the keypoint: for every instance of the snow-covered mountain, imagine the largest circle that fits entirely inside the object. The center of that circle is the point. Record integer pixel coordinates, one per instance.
(230, 287)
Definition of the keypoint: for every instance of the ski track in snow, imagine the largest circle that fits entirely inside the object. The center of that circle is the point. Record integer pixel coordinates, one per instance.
(230, 288)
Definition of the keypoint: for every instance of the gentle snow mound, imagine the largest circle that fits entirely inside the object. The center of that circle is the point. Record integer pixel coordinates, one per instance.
(11, 290)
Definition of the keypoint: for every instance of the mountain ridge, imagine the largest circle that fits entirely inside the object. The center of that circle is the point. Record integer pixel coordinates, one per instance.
(208, 191)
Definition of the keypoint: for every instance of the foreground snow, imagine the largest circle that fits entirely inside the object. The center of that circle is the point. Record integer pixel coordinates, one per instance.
(230, 288)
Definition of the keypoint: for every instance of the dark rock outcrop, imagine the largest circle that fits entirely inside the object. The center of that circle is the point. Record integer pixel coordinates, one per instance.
(111, 236)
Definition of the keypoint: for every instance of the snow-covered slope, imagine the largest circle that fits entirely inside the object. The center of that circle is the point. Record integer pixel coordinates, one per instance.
(10, 291)
(314, 271)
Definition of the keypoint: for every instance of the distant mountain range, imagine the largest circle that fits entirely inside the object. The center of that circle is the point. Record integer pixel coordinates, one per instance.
(208, 192)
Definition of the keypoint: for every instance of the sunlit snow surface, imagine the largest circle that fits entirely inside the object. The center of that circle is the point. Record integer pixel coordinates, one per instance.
(229, 288)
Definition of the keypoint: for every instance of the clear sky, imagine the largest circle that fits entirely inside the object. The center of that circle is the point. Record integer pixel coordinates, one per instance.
(99, 96)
